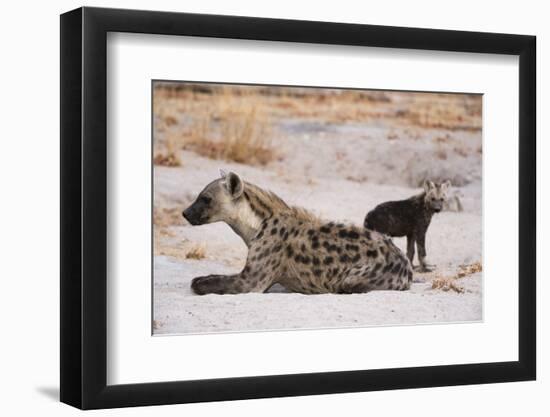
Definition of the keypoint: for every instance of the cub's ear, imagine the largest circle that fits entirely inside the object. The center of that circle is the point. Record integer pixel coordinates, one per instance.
(223, 174)
(428, 185)
(234, 184)
(445, 185)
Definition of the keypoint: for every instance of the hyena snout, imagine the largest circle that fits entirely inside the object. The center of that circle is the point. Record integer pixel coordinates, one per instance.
(190, 216)
(195, 215)
(437, 206)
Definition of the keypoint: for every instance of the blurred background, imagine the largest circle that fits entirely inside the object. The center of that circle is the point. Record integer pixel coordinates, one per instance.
(336, 152)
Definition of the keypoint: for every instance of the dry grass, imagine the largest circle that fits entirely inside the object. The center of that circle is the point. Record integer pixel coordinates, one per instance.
(168, 159)
(166, 244)
(461, 150)
(196, 252)
(451, 283)
(441, 153)
(449, 111)
(238, 123)
(447, 284)
(221, 125)
(426, 110)
(241, 135)
(392, 135)
(164, 216)
(465, 270)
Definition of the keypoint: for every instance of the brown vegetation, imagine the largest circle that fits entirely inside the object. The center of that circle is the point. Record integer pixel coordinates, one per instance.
(196, 252)
(236, 123)
(223, 126)
(163, 216)
(451, 283)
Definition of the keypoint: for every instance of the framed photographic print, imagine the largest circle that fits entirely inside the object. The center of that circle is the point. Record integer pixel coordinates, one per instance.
(257, 207)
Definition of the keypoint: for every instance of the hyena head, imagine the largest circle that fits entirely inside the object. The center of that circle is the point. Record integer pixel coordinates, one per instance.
(219, 201)
(435, 194)
(229, 199)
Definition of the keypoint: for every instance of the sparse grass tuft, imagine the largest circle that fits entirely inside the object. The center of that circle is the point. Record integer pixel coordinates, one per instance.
(196, 252)
(169, 155)
(392, 135)
(461, 150)
(465, 270)
(449, 283)
(242, 138)
(164, 217)
(446, 284)
(167, 160)
(447, 112)
(224, 125)
(441, 153)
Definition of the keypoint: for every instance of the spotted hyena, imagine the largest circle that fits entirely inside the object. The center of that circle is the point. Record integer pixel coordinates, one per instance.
(411, 218)
(290, 246)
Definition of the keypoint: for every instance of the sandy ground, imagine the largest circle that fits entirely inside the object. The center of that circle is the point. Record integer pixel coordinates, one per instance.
(454, 239)
(340, 172)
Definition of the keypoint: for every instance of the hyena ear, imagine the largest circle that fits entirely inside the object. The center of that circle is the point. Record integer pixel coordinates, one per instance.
(234, 184)
(428, 185)
(223, 174)
(445, 185)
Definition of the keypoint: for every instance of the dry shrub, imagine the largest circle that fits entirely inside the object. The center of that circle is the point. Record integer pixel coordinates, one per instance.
(179, 249)
(441, 153)
(451, 282)
(392, 135)
(164, 217)
(428, 110)
(461, 150)
(170, 120)
(168, 159)
(357, 178)
(446, 284)
(448, 111)
(234, 129)
(442, 138)
(465, 270)
(167, 112)
(196, 252)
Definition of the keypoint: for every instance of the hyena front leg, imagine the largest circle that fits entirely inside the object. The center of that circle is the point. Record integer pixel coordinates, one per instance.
(410, 248)
(421, 246)
(246, 281)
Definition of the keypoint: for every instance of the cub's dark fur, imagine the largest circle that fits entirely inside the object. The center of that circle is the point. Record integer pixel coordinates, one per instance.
(410, 217)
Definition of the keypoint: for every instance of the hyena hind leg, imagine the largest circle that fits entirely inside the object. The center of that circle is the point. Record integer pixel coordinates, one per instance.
(227, 284)
(366, 278)
(357, 281)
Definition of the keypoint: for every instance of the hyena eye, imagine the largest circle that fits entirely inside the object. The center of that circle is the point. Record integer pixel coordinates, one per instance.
(205, 200)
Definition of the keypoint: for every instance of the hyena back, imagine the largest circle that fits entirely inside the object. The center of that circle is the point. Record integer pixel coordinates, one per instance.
(289, 246)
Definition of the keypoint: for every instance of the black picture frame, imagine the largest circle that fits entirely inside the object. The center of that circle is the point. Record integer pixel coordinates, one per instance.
(84, 207)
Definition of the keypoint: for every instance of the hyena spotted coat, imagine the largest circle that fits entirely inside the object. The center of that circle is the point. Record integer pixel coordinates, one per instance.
(289, 246)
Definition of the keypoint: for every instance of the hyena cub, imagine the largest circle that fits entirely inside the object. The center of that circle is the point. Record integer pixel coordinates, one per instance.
(411, 218)
(289, 246)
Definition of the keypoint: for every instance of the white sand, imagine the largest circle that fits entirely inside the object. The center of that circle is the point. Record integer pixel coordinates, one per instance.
(453, 239)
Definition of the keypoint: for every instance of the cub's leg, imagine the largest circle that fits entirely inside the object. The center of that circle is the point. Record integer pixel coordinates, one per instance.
(410, 248)
(421, 246)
